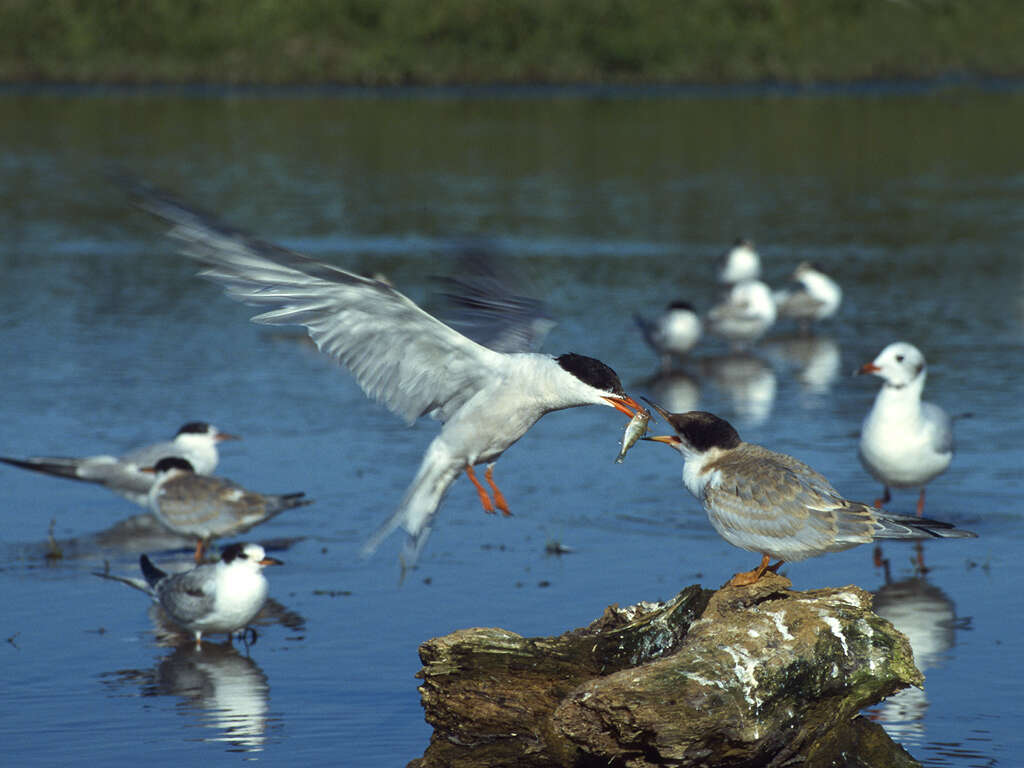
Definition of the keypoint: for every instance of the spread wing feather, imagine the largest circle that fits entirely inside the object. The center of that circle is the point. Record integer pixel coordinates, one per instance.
(400, 355)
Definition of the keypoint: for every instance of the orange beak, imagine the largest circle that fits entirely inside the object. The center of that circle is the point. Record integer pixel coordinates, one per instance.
(623, 404)
(868, 368)
(270, 561)
(667, 439)
(225, 436)
(151, 470)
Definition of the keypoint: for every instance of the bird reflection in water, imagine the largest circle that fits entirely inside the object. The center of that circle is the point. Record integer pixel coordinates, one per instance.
(220, 688)
(747, 381)
(816, 361)
(927, 616)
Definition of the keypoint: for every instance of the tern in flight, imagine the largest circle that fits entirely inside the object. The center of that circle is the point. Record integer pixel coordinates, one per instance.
(403, 357)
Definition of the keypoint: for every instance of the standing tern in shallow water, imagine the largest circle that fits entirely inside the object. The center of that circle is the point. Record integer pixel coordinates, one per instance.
(771, 503)
(904, 442)
(403, 357)
(218, 597)
(207, 508)
(196, 442)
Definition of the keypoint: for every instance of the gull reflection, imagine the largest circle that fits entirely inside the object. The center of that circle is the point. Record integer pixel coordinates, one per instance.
(927, 616)
(747, 380)
(815, 360)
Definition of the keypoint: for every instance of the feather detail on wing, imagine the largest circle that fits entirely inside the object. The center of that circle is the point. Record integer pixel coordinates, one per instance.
(400, 355)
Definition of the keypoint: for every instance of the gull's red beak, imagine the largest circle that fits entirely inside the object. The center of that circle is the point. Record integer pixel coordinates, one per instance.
(868, 368)
(226, 436)
(623, 404)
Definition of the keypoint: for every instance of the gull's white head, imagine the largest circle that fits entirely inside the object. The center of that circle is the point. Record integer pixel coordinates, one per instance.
(899, 364)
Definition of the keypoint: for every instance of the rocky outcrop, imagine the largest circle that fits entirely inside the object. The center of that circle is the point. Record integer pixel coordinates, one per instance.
(746, 676)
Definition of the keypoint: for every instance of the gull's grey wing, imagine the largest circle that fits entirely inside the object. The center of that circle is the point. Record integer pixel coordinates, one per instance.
(489, 300)
(408, 360)
(188, 596)
(798, 304)
(941, 427)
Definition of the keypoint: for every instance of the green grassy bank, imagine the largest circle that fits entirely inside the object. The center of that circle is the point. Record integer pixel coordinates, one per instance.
(381, 42)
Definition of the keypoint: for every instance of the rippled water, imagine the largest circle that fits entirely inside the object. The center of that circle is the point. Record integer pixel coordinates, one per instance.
(611, 205)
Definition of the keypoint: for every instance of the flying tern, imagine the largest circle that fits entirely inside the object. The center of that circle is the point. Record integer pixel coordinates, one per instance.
(774, 504)
(403, 357)
(207, 508)
(196, 442)
(904, 442)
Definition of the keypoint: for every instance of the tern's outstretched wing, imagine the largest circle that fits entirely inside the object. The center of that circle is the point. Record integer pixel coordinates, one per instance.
(403, 357)
(489, 299)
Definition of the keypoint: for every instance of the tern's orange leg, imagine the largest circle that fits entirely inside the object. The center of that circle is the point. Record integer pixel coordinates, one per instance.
(485, 500)
(499, 497)
(886, 496)
(749, 577)
(200, 550)
(920, 504)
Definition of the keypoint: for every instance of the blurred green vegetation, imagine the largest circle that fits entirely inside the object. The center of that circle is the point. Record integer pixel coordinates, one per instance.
(382, 42)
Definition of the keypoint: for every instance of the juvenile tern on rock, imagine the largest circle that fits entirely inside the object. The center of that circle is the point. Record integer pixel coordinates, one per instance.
(401, 356)
(208, 508)
(196, 442)
(904, 442)
(771, 503)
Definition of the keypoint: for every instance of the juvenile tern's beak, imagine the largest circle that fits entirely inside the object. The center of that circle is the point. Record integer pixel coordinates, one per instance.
(150, 470)
(667, 439)
(225, 436)
(623, 404)
(867, 368)
(270, 561)
(661, 411)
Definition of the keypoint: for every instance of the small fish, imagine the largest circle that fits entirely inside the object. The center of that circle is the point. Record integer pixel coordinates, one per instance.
(636, 429)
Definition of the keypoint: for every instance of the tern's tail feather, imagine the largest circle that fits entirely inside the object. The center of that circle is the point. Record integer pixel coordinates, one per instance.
(281, 502)
(150, 571)
(903, 527)
(54, 465)
(419, 505)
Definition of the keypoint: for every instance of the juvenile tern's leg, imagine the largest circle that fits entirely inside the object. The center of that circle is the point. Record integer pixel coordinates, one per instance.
(499, 497)
(886, 496)
(200, 550)
(485, 500)
(749, 577)
(920, 504)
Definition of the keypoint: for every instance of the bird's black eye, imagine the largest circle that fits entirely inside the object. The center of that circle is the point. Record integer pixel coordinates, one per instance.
(899, 358)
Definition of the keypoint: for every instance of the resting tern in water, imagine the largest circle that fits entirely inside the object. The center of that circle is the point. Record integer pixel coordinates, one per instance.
(904, 442)
(771, 503)
(403, 357)
(218, 597)
(815, 297)
(740, 262)
(207, 508)
(673, 333)
(196, 442)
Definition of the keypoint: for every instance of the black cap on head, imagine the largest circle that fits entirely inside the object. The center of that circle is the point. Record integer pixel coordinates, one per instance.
(232, 552)
(592, 372)
(681, 305)
(173, 462)
(704, 430)
(195, 427)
